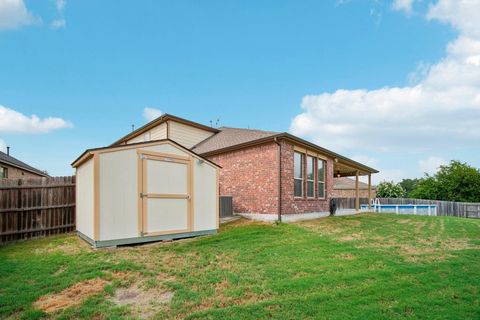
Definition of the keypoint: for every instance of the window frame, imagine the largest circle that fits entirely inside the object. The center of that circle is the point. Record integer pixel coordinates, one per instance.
(323, 182)
(302, 173)
(4, 174)
(307, 180)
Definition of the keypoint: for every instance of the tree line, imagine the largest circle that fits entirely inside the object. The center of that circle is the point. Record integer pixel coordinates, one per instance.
(456, 181)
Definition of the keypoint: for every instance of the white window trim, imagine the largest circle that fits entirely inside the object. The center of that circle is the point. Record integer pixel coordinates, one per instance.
(310, 180)
(302, 170)
(322, 182)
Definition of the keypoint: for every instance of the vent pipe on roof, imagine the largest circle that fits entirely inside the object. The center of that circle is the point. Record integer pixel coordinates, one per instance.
(8, 151)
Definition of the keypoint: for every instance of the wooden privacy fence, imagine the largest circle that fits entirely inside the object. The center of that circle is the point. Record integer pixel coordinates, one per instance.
(444, 208)
(349, 203)
(36, 207)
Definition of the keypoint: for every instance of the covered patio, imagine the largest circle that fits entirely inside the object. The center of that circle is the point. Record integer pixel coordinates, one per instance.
(350, 168)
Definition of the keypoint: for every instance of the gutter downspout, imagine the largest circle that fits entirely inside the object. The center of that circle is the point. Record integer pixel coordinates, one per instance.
(279, 179)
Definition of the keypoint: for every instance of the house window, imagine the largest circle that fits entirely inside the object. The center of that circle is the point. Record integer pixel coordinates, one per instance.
(3, 173)
(321, 178)
(310, 177)
(298, 159)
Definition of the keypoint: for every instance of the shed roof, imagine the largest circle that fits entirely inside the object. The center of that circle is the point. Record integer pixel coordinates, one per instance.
(89, 152)
(9, 160)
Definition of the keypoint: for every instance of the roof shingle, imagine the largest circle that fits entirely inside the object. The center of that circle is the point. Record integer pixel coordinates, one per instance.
(9, 160)
(228, 137)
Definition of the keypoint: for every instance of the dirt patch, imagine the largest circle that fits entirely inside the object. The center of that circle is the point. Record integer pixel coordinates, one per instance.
(221, 298)
(345, 256)
(143, 303)
(351, 237)
(71, 246)
(60, 271)
(442, 226)
(423, 250)
(72, 296)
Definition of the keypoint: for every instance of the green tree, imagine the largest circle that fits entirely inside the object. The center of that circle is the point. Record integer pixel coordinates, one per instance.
(409, 185)
(390, 189)
(456, 181)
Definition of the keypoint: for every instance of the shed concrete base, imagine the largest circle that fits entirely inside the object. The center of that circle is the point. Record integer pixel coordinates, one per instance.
(119, 242)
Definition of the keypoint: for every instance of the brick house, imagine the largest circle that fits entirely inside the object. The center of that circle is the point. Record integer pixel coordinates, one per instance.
(344, 187)
(12, 168)
(270, 175)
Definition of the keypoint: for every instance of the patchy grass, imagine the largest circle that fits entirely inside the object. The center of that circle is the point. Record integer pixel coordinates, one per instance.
(363, 267)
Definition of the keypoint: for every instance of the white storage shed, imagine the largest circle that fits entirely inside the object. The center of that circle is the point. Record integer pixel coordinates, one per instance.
(146, 191)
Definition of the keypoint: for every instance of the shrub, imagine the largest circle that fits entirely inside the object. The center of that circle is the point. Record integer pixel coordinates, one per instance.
(390, 189)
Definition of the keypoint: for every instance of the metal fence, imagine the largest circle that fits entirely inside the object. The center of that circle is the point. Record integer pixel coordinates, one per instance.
(36, 207)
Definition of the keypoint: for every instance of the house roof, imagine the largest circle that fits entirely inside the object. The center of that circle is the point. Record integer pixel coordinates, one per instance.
(344, 183)
(163, 118)
(9, 160)
(89, 152)
(228, 137)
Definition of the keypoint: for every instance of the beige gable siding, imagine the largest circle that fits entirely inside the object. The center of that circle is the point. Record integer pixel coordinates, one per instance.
(186, 135)
(157, 133)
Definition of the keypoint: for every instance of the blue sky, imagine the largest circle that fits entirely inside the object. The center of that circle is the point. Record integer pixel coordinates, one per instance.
(273, 65)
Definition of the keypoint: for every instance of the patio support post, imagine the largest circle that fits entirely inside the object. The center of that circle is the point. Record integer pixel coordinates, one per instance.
(369, 191)
(357, 193)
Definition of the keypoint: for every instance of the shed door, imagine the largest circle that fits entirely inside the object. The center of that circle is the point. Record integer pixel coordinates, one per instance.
(166, 194)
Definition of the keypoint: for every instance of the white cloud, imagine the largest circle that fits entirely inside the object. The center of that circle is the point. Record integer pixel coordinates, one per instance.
(442, 109)
(3, 146)
(395, 175)
(403, 5)
(60, 5)
(12, 121)
(14, 14)
(58, 23)
(431, 164)
(151, 113)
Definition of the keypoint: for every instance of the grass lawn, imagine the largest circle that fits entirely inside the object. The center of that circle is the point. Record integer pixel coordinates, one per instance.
(363, 267)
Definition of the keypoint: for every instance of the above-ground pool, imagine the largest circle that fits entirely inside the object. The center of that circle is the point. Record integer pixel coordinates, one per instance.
(420, 209)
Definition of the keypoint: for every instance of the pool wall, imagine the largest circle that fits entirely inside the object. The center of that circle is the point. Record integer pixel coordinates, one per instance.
(424, 210)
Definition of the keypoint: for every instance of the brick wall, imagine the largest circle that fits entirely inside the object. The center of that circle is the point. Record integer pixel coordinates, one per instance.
(290, 204)
(250, 176)
(16, 173)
